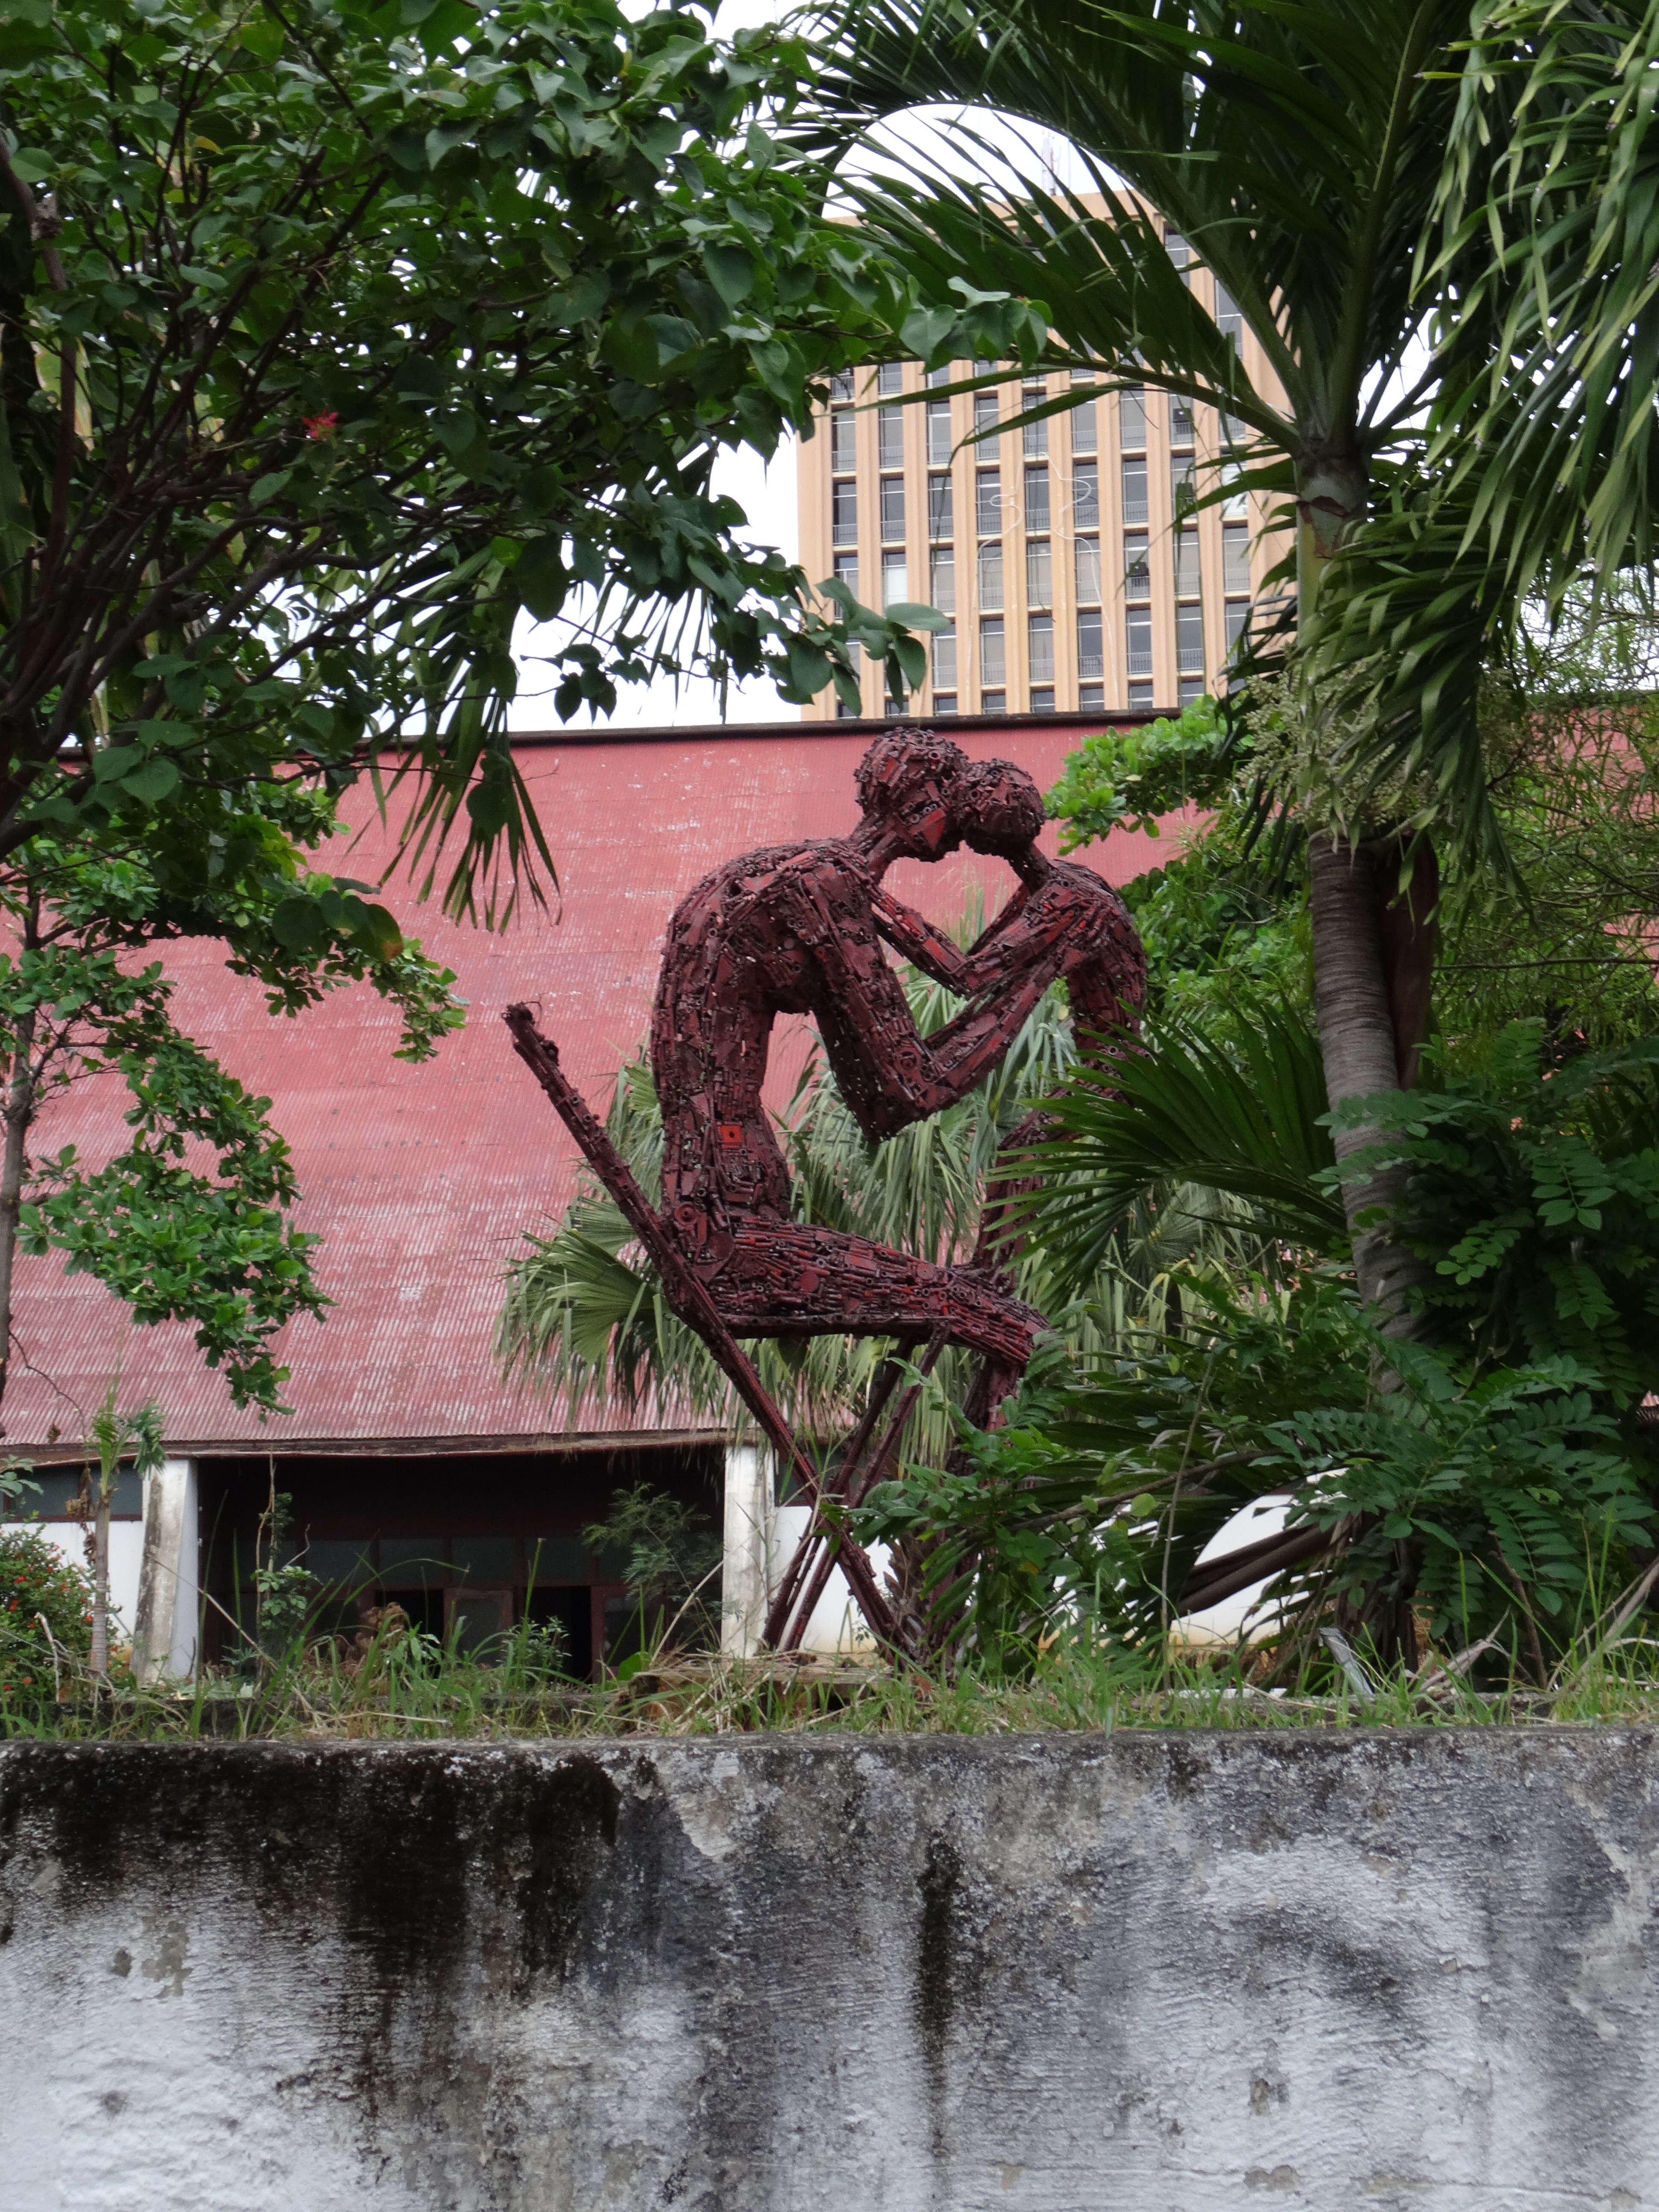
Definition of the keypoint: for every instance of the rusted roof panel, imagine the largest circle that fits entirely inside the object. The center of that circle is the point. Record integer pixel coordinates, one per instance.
(421, 1180)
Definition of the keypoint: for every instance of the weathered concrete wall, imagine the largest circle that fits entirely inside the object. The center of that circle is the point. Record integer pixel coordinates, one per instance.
(1151, 1973)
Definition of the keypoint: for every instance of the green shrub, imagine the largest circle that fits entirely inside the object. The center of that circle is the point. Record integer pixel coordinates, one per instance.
(36, 1584)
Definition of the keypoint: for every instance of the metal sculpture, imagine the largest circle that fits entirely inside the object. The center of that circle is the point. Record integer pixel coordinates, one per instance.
(801, 929)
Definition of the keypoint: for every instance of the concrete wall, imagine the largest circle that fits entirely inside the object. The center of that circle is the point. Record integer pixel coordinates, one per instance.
(1153, 1973)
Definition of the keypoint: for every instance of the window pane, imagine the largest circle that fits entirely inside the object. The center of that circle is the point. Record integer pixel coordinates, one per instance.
(844, 513)
(1189, 640)
(895, 584)
(1043, 700)
(944, 702)
(990, 575)
(991, 661)
(890, 377)
(1137, 567)
(892, 506)
(1035, 435)
(846, 571)
(1235, 559)
(841, 385)
(890, 437)
(985, 409)
(1131, 421)
(1177, 249)
(938, 433)
(1086, 495)
(1040, 646)
(1192, 690)
(1082, 417)
(1137, 630)
(941, 507)
(1187, 569)
(1091, 698)
(1238, 621)
(1181, 421)
(942, 580)
(1140, 698)
(987, 503)
(1134, 492)
(1088, 571)
(1228, 321)
(938, 376)
(1090, 643)
(1181, 491)
(1036, 498)
(1039, 574)
(1236, 505)
(843, 440)
(944, 659)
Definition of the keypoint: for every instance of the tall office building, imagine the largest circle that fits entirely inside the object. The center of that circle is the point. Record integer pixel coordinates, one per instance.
(1067, 554)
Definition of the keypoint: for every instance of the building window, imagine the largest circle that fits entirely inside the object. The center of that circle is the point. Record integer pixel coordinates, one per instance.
(942, 580)
(1228, 320)
(935, 377)
(941, 507)
(1083, 433)
(1043, 701)
(1034, 437)
(841, 385)
(944, 702)
(1131, 421)
(1235, 559)
(1140, 698)
(990, 576)
(1137, 565)
(1036, 498)
(844, 513)
(944, 657)
(1134, 490)
(846, 571)
(889, 377)
(1180, 420)
(1039, 574)
(892, 506)
(1091, 698)
(1177, 249)
(1087, 565)
(1187, 583)
(890, 437)
(993, 664)
(1138, 633)
(1040, 646)
(894, 579)
(1238, 621)
(843, 440)
(1183, 491)
(993, 702)
(1189, 640)
(1091, 642)
(985, 410)
(1086, 495)
(1192, 690)
(938, 433)
(987, 503)
(844, 712)
(1235, 508)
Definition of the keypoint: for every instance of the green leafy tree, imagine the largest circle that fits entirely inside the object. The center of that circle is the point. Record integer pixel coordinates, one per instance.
(190, 1220)
(334, 337)
(45, 1618)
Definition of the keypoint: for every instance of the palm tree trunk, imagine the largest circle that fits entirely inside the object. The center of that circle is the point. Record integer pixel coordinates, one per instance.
(1361, 1053)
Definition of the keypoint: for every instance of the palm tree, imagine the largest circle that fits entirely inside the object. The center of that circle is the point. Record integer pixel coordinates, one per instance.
(1297, 152)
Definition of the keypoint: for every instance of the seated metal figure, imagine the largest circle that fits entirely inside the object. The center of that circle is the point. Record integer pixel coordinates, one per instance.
(799, 929)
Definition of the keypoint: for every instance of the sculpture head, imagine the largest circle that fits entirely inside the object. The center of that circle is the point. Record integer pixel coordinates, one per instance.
(996, 808)
(905, 784)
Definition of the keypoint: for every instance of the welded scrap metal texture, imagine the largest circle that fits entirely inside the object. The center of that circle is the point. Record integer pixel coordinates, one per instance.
(800, 929)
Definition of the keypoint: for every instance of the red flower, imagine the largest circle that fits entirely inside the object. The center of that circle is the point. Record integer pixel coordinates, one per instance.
(321, 426)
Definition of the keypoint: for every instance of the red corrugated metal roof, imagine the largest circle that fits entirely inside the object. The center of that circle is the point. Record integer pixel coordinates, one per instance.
(421, 1180)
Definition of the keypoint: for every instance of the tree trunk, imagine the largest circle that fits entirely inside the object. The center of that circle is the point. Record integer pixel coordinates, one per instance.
(1359, 1045)
(18, 1114)
(100, 1584)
